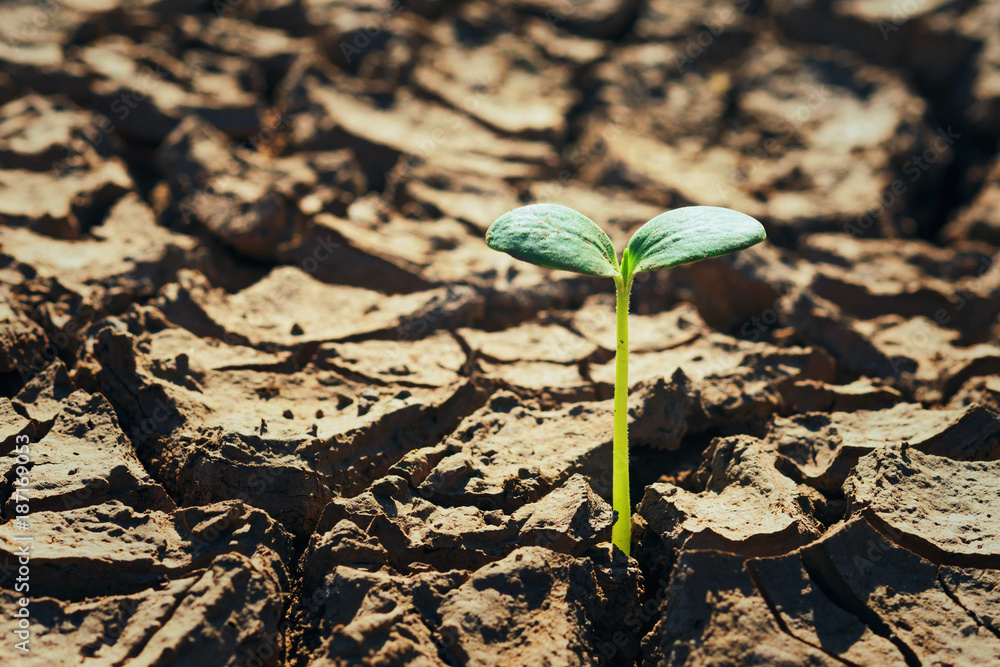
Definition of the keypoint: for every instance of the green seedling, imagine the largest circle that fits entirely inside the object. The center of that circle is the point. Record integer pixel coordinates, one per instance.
(558, 237)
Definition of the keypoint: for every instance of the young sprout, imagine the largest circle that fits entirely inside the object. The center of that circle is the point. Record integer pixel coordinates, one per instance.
(558, 237)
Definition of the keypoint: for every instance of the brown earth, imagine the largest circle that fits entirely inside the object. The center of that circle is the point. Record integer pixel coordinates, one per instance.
(285, 407)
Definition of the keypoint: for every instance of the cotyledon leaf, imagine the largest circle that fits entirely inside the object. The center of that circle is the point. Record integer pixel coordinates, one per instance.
(688, 234)
(555, 237)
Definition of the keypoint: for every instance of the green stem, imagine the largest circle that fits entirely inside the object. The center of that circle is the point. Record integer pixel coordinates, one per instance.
(621, 533)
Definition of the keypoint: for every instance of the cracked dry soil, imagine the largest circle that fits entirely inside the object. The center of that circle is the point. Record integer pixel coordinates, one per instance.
(285, 407)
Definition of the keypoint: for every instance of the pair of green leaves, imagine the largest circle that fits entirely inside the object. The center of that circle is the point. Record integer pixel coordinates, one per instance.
(558, 237)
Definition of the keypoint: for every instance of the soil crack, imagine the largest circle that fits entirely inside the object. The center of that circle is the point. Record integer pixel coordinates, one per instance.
(973, 615)
(762, 590)
(829, 582)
